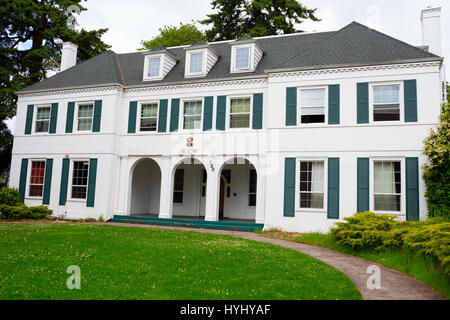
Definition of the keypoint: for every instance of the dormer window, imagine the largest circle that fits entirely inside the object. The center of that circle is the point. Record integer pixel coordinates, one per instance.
(242, 58)
(154, 67)
(245, 55)
(196, 63)
(158, 63)
(200, 58)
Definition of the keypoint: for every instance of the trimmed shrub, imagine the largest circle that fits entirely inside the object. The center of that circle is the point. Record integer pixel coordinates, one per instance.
(40, 212)
(10, 197)
(23, 212)
(15, 212)
(373, 231)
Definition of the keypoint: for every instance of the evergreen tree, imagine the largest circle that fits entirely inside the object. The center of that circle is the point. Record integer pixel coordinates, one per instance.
(256, 18)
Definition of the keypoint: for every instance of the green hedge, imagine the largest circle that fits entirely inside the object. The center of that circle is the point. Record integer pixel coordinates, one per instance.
(373, 231)
(21, 211)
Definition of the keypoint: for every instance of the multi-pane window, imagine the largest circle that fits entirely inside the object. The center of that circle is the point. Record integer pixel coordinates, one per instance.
(154, 67)
(192, 116)
(178, 186)
(312, 103)
(196, 63)
(387, 186)
(252, 189)
(242, 58)
(240, 113)
(312, 184)
(386, 103)
(37, 177)
(149, 116)
(80, 179)
(85, 114)
(42, 119)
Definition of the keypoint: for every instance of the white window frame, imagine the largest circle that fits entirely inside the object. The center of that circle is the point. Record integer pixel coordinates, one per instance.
(325, 184)
(27, 188)
(228, 112)
(299, 116)
(402, 211)
(161, 67)
(71, 168)
(35, 118)
(77, 105)
(189, 54)
(251, 47)
(138, 119)
(401, 102)
(181, 118)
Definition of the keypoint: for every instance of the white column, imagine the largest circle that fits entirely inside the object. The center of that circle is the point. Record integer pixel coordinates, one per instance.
(123, 201)
(212, 194)
(166, 196)
(260, 194)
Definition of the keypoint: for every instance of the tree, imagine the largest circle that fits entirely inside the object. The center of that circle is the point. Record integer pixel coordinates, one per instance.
(234, 18)
(31, 36)
(437, 170)
(170, 36)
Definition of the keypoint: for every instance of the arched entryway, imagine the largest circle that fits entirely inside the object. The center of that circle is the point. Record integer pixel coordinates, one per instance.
(238, 190)
(145, 188)
(189, 189)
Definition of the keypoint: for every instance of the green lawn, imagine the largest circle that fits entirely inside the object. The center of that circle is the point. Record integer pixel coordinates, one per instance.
(138, 263)
(413, 263)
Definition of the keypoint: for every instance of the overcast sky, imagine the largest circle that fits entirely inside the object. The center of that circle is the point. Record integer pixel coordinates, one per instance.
(131, 21)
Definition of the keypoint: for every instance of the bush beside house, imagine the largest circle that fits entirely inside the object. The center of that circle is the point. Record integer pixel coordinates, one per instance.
(12, 207)
(379, 232)
(436, 173)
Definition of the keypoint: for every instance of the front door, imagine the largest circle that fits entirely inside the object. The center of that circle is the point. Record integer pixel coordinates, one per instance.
(222, 198)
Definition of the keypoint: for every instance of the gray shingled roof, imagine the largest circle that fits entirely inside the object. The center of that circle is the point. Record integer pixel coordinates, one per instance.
(354, 44)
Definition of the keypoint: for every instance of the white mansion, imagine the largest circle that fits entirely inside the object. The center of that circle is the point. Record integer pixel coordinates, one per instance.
(293, 132)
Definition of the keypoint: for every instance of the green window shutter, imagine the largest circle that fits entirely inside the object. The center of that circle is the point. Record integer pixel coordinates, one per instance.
(362, 102)
(47, 181)
(208, 113)
(132, 113)
(174, 115)
(363, 185)
(221, 112)
(162, 115)
(90, 201)
(291, 106)
(412, 189)
(29, 119)
(410, 87)
(69, 119)
(64, 181)
(289, 187)
(97, 116)
(23, 178)
(257, 111)
(333, 188)
(334, 104)
(53, 118)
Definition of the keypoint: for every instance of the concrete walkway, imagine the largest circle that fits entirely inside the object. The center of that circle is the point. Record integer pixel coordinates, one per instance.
(395, 285)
